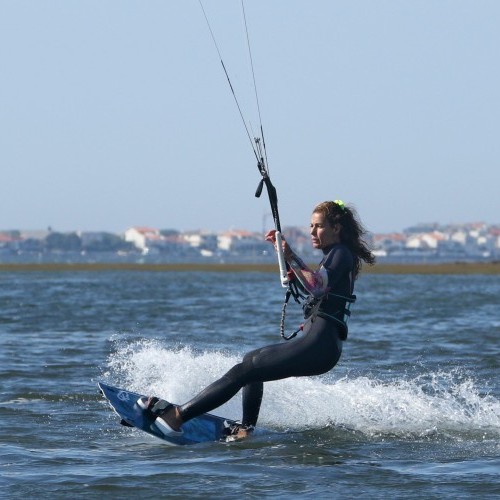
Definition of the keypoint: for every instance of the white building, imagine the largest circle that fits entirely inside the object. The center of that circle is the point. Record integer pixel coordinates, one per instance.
(427, 241)
(143, 238)
(241, 241)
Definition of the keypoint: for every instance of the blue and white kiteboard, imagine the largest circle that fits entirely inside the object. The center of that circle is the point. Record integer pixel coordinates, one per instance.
(201, 429)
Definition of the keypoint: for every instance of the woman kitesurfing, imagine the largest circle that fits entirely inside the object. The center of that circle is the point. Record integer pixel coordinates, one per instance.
(336, 230)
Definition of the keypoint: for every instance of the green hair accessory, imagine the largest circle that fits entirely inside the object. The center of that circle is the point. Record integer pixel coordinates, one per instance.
(340, 203)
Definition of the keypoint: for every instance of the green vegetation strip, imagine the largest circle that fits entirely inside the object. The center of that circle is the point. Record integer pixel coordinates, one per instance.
(448, 268)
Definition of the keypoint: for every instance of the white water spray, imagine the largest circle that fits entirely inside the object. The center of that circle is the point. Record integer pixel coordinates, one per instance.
(440, 404)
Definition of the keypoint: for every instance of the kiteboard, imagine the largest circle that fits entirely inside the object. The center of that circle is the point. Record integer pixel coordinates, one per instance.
(200, 429)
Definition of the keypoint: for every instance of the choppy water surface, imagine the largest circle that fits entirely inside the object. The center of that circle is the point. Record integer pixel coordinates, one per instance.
(412, 410)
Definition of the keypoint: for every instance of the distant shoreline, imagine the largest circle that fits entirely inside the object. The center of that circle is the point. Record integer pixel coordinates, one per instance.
(439, 268)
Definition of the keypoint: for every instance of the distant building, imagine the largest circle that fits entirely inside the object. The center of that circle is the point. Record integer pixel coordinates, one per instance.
(143, 238)
(425, 241)
(494, 232)
(9, 241)
(204, 240)
(35, 235)
(238, 241)
(89, 238)
(151, 241)
(384, 244)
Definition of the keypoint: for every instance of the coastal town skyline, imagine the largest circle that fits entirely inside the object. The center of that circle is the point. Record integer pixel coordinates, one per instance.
(460, 242)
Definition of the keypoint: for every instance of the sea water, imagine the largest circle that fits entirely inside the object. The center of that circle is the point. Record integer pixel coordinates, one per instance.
(412, 409)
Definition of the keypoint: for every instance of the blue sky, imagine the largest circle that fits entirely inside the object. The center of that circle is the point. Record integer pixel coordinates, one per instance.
(118, 113)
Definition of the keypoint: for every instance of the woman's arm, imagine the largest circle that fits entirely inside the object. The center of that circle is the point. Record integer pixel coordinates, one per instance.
(315, 282)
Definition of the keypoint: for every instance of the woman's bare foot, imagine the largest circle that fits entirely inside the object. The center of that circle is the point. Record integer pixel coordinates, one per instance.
(237, 432)
(164, 411)
(172, 417)
(243, 433)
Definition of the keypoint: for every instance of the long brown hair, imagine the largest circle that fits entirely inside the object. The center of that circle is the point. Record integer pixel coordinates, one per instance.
(351, 232)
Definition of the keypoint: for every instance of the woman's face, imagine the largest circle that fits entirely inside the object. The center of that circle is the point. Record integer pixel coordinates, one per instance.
(323, 235)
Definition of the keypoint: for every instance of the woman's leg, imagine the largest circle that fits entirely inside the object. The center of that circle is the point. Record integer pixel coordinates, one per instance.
(252, 399)
(316, 352)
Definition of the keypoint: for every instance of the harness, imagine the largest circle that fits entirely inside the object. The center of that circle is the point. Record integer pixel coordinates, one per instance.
(330, 306)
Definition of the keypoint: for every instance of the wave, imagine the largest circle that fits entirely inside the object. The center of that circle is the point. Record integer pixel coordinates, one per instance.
(446, 404)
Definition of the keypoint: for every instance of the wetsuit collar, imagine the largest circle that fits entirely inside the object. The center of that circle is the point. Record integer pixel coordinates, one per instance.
(327, 250)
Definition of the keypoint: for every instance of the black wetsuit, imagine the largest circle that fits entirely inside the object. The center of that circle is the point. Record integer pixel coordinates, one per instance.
(313, 353)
